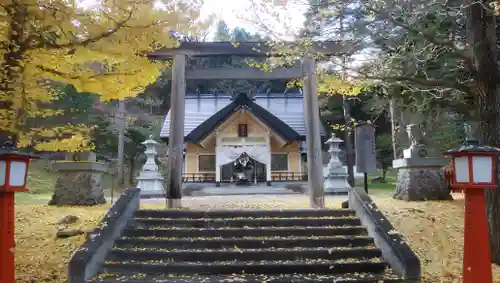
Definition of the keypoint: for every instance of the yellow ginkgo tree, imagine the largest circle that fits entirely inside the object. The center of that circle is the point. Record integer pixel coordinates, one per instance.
(98, 46)
(330, 84)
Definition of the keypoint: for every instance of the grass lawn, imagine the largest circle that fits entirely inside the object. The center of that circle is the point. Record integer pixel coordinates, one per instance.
(388, 186)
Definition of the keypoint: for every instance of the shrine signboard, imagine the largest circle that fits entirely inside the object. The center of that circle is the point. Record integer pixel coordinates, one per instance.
(366, 152)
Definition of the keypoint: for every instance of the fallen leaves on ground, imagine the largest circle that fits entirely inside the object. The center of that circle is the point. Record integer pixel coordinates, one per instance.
(434, 230)
(41, 257)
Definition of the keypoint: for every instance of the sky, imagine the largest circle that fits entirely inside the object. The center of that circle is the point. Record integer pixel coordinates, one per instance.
(246, 13)
(240, 13)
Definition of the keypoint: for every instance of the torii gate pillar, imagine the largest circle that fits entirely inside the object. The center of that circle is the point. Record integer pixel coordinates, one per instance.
(176, 142)
(313, 137)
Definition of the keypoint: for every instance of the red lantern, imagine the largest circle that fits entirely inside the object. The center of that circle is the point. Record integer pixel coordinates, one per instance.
(13, 172)
(474, 166)
(474, 170)
(13, 175)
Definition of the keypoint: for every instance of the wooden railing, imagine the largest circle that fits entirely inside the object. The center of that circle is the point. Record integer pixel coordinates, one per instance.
(198, 177)
(275, 176)
(288, 176)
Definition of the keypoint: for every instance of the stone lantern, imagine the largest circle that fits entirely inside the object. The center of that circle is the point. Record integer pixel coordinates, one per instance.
(150, 181)
(336, 174)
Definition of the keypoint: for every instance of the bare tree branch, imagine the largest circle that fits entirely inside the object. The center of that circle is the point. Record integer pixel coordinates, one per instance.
(110, 32)
(75, 77)
(424, 82)
(427, 35)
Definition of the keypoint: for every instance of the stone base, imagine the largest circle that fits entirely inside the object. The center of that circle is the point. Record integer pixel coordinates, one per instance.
(150, 186)
(174, 203)
(336, 185)
(421, 183)
(345, 204)
(78, 188)
(150, 194)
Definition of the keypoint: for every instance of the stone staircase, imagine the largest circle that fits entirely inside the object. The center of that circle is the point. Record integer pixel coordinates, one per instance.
(245, 246)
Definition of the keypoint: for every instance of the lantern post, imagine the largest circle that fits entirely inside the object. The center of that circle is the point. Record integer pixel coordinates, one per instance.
(13, 175)
(474, 168)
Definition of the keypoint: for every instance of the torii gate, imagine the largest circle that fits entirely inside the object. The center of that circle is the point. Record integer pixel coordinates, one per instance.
(243, 49)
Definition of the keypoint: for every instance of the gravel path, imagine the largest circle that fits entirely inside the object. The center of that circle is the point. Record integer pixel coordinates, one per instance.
(245, 202)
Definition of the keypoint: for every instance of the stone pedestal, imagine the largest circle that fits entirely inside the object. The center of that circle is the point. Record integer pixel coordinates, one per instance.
(336, 174)
(420, 179)
(78, 183)
(150, 181)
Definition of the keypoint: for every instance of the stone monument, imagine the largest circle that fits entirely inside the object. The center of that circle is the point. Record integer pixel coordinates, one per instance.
(419, 177)
(150, 181)
(79, 180)
(336, 174)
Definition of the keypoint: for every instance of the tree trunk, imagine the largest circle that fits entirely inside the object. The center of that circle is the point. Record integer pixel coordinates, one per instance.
(131, 173)
(348, 141)
(12, 72)
(394, 141)
(121, 141)
(481, 28)
(490, 109)
(488, 129)
(347, 111)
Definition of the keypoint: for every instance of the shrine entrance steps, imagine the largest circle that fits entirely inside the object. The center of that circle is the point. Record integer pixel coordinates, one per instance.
(245, 246)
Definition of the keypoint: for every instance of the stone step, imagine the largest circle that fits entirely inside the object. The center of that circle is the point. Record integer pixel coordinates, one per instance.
(236, 254)
(197, 214)
(246, 222)
(257, 267)
(246, 232)
(246, 243)
(251, 278)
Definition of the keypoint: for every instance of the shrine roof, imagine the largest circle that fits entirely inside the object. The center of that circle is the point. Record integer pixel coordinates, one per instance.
(284, 111)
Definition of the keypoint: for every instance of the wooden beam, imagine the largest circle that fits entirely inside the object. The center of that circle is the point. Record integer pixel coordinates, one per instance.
(313, 137)
(249, 73)
(248, 49)
(176, 141)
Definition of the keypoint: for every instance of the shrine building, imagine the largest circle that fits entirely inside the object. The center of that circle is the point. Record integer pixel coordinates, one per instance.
(219, 129)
